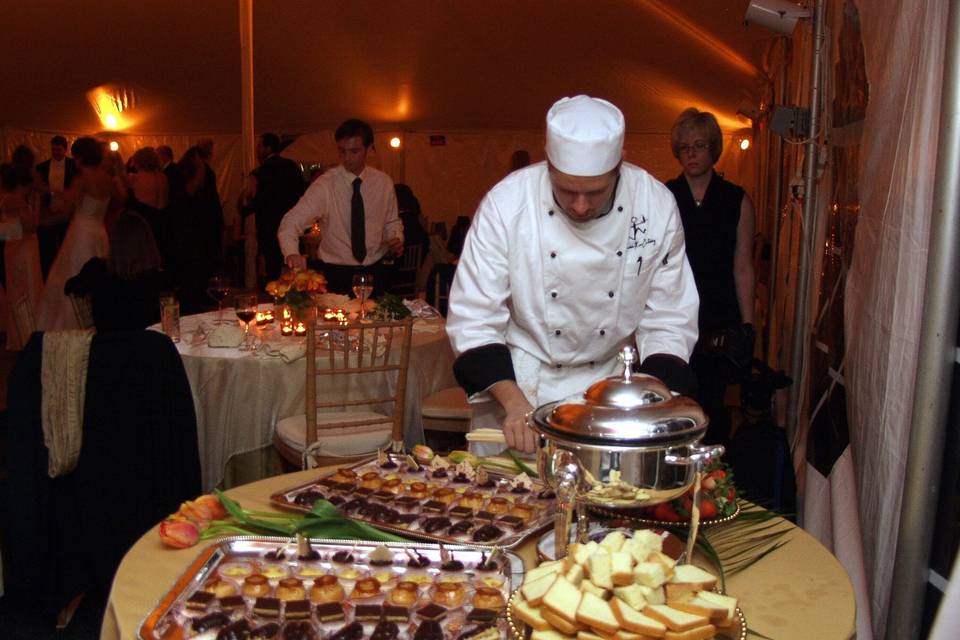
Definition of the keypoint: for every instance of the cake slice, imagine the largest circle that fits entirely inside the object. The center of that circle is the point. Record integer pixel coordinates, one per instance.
(697, 605)
(650, 574)
(530, 615)
(551, 569)
(548, 634)
(588, 635)
(575, 574)
(693, 575)
(613, 541)
(561, 625)
(533, 591)
(601, 572)
(579, 552)
(632, 620)
(674, 619)
(699, 633)
(588, 586)
(727, 601)
(563, 599)
(621, 568)
(632, 595)
(595, 612)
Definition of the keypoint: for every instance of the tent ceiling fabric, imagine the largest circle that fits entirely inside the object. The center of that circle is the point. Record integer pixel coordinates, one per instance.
(405, 64)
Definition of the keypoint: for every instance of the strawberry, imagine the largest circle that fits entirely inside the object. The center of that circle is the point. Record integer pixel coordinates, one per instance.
(665, 512)
(708, 508)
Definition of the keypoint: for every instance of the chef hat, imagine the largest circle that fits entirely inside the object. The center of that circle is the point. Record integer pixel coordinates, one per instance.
(584, 136)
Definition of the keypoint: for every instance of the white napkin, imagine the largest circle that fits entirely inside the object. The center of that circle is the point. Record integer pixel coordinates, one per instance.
(227, 336)
(288, 352)
(420, 309)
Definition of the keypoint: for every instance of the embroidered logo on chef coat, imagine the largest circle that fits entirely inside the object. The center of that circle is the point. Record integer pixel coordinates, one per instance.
(638, 238)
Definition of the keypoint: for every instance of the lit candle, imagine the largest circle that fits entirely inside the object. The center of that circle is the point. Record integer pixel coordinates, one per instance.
(301, 329)
(260, 318)
(268, 316)
(330, 314)
(286, 328)
(286, 313)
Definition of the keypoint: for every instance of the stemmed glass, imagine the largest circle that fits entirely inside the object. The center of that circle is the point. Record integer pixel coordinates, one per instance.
(246, 310)
(362, 288)
(218, 288)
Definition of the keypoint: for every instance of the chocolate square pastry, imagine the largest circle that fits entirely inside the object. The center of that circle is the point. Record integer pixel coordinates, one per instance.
(267, 607)
(364, 491)
(345, 487)
(329, 612)
(405, 502)
(482, 615)
(461, 512)
(512, 521)
(297, 609)
(199, 601)
(395, 613)
(327, 482)
(384, 495)
(432, 611)
(486, 515)
(405, 519)
(232, 603)
(367, 612)
(434, 506)
(462, 527)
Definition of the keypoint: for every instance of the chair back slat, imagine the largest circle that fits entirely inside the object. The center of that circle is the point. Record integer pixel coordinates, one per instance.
(23, 317)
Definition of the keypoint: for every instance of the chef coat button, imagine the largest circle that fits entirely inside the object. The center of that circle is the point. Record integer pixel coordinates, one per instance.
(619, 208)
(557, 332)
(550, 213)
(559, 366)
(603, 332)
(619, 253)
(553, 254)
(592, 363)
(553, 294)
(610, 293)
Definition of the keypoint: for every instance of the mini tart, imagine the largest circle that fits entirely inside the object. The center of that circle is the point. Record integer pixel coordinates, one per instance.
(326, 589)
(366, 588)
(255, 586)
(523, 511)
(348, 573)
(274, 571)
(394, 486)
(449, 594)
(471, 499)
(417, 490)
(405, 593)
(220, 588)
(235, 570)
(291, 589)
(488, 598)
(310, 570)
(371, 480)
(445, 495)
(345, 475)
(498, 505)
(493, 581)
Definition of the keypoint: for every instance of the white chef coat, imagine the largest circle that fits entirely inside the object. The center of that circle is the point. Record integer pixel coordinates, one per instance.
(565, 297)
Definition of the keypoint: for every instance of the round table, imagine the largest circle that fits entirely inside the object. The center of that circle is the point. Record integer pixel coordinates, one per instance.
(798, 592)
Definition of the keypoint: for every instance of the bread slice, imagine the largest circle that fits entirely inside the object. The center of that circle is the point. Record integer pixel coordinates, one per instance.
(699, 633)
(650, 574)
(548, 634)
(563, 599)
(699, 606)
(601, 571)
(550, 569)
(630, 635)
(674, 619)
(561, 625)
(633, 595)
(654, 596)
(649, 539)
(693, 575)
(632, 620)
(726, 601)
(533, 591)
(613, 541)
(588, 635)
(588, 587)
(668, 563)
(595, 612)
(575, 574)
(621, 568)
(530, 615)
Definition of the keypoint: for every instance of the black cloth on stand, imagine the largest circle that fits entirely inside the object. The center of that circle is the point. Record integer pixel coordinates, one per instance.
(358, 223)
(118, 303)
(138, 461)
(279, 187)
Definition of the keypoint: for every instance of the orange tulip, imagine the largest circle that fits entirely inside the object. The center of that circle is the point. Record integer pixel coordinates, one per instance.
(179, 533)
(213, 504)
(200, 513)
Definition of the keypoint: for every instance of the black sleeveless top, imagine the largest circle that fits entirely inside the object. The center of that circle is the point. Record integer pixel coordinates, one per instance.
(710, 231)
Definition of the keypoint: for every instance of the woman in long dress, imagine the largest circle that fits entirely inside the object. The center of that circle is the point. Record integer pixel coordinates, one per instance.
(86, 236)
(21, 255)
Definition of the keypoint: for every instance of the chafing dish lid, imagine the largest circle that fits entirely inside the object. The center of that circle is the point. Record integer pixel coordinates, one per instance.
(629, 409)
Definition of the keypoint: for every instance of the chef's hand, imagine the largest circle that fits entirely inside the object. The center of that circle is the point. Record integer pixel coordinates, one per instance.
(395, 246)
(295, 261)
(516, 406)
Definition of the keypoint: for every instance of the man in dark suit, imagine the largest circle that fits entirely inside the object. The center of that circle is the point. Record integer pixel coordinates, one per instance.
(171, 170)
(274, 187)
(56, 174)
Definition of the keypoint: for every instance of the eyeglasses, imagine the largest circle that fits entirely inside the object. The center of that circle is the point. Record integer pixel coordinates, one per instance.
(697, 147)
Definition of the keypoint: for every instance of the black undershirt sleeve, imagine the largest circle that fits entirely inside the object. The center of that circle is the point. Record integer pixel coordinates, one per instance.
(672, 371)
(479, 368)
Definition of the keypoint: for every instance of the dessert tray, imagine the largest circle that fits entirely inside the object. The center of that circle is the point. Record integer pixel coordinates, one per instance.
(452, 504)
(262, 587)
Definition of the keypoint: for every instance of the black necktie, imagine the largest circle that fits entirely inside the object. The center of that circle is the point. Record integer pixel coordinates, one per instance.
(358, 232)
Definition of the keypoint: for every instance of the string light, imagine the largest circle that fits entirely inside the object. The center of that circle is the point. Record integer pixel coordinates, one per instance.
(744, 144)
(114, 145)
(395, 142)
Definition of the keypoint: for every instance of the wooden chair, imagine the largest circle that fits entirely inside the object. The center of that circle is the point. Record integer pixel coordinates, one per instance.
(440, 280)
(446, 410)
(24, 319)
(405, 278)
(83, 310)
(363, 368)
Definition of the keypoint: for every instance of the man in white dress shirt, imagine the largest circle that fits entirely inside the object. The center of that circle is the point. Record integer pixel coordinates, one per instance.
(567, 262)
(356, 208)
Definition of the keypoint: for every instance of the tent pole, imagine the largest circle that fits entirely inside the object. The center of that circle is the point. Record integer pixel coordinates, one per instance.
(802, 309)
(247, 160)
(777, 195)
(935, 361)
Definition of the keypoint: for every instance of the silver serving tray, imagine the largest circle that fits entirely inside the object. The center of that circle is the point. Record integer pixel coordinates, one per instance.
(170, 618)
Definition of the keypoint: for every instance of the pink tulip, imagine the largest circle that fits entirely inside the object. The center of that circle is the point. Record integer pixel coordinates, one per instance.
(199, 513)
(212, 503)
(179, 533)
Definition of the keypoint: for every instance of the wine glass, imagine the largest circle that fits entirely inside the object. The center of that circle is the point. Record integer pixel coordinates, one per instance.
(218, 288)
(245, 306)
(362, 288)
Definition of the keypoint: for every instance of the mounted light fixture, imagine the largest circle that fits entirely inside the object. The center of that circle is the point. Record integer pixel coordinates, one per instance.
(114, 145)
(777, 15)
(745, 144)
(395, 142)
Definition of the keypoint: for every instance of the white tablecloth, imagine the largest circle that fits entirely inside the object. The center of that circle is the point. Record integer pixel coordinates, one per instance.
(239, 397)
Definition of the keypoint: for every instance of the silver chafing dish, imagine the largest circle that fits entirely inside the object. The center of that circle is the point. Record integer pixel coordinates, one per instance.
(627, 442)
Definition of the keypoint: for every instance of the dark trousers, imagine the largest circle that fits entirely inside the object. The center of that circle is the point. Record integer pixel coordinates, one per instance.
(50, 237)
(340, 276)
(713, 375)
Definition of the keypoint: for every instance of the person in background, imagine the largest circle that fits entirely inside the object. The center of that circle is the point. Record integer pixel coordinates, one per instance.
(519, 159)
(212, 208)
(718, 222)
(356, 208)
(150, 196)
(457, 235)
(56, 176)
(408, 208)
(124, 287)
(169, 169)
(567, 263)
(437, 259)
(191, 230)
(21, 255)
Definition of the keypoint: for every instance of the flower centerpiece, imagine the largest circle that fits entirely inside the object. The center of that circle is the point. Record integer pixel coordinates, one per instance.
(296, 289)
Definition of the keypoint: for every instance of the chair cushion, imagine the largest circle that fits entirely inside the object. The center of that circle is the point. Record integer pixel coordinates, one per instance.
(448, 403)
(339, 441)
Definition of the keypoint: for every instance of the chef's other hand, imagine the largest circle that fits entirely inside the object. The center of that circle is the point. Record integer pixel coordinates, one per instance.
(516, 407)
(672, 371)
(295, 261)
(395, 246)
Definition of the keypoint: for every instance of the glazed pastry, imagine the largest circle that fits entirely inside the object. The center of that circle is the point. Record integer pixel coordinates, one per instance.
(498, 505)
(394, 486)
(432, 612)
(291, 589)
(255, 586)
(366, 588)
(236, 569)
(449, 594)
(345, 475)
(367, 612)
(445, 495)
(326, 589)
(471, 499)
(371, 480)
(417, 490)
(232, 603)
(220, 588)
(488, 598)
(522, 511)
(405, 593)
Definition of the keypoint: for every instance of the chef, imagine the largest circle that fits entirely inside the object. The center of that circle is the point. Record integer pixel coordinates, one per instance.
(567, 261)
